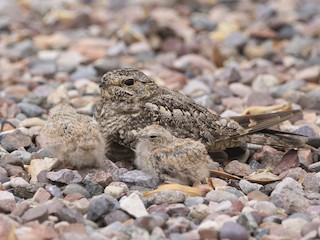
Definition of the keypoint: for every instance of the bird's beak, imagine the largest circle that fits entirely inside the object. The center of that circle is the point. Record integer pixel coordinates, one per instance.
(102, 84)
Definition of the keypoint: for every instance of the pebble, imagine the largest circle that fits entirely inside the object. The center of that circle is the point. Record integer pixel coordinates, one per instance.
(38, 165)
(18, 182)
(137, 177)
(30, 110)
(69, 215)
(264, 83)
(14, 140)
(199, 212)
(167, 196)
(117, 215)
(289, 195)
(116, 189)
(233, 231)
(7, 202)
(76, 188)
(219, 196)
(208, 230)
(41, 196)
(238, 168)
(265, 208)
(66, 176)
(248, 187)
(133, 205)
(39, 213)
(101, 206)
(191, 201)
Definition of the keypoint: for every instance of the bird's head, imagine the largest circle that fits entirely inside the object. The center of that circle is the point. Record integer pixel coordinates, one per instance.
(155, 135)
(126, 85)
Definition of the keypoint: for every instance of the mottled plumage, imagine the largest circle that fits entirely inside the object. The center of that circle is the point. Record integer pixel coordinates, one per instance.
(171, 159)
(132, 101)
(75, 139)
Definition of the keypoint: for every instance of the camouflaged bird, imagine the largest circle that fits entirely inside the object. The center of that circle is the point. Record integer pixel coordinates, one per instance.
(171, 159)
(75, 139)
(132, 101)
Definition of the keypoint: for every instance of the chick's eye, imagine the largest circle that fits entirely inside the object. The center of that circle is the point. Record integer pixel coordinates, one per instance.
(128, 82)
(153, 136)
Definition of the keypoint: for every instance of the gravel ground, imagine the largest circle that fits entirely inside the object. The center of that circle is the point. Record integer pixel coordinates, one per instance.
(229, 56)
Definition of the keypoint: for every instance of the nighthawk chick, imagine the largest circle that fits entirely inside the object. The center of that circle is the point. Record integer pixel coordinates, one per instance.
(132, 101)
(75, 139)
(171, 159)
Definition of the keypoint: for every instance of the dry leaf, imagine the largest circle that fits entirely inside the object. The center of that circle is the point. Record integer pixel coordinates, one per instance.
(266, 109)
(264, 177)
(224, 175)
(190, 191)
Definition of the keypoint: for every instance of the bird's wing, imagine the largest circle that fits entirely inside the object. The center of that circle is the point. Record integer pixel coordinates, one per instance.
(259, 122)
(185, 118)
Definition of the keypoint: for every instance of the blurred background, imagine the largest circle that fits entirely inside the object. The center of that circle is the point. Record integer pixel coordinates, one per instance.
(227, 55)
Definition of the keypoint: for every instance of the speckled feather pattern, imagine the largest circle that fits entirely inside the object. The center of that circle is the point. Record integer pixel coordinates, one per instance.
(75, 139)
(126, 109)
(171, 159)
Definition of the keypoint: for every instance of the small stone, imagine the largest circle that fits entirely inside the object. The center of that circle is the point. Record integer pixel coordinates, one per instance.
(7, 224)
(133, 205)
(238, 168)
(249, 220)
(41, 195)
(32, 122)
(72, 197)
(93, 188)
(311, 182)
(259, 99)
(17, 157)
(239, 89)
(16, 171)
(7, 202)
(199, 212)
(14, 140)
(76, 188)
(69, 215)
(39, 165)
(18, 182)
(101, 177)
(146, 222)
(54, 190)
(177, 209)
(66, 176)
(100, 206)
(167, 196)
(264, 83)
(248, 187)
(308, 227)
(258, 196)
(289, 195)
(27, 191)
(219, 196)
(137, 177)
(39, 213)
(233, 231)
(265, 208)
(116, 189)
(30, 110)
(315, 167)
(178, 225)
(208, 230)
(192, 201)
(116, 216)
(309, 74)
(294, 224)
(20, 209)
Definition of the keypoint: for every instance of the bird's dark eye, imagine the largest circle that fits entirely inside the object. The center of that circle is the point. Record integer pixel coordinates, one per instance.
(128, 82)
(153, 136)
